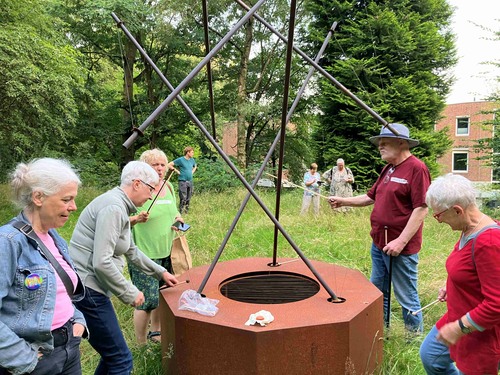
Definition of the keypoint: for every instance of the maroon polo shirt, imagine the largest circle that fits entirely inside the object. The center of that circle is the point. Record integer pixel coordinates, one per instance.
(397, 192)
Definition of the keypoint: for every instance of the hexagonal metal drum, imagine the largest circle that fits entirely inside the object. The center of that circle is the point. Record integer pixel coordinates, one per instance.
(308, 336)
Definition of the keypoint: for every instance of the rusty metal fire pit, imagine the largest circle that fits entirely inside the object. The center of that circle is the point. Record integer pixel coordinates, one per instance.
(309, 334)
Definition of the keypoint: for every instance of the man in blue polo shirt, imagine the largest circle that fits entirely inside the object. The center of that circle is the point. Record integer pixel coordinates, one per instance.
(185, 166)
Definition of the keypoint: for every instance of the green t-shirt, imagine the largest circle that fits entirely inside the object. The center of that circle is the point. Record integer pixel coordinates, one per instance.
(155, 236)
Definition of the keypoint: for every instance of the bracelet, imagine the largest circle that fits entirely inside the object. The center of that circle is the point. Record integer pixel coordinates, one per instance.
(463, 328)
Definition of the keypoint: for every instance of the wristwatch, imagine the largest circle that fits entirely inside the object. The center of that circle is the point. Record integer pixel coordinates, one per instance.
(463, 328)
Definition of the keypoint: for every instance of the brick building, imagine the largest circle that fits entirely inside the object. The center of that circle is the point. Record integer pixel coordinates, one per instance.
(466, 124)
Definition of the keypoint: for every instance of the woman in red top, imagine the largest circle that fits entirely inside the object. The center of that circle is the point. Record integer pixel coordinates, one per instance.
(469, 332)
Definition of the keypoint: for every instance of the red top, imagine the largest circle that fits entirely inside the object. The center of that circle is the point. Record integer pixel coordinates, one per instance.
(473, 287)
(397, 192)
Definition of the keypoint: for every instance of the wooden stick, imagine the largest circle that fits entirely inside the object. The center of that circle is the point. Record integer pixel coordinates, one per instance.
(300, 187)
(426, 306)
(165, 180)
(179, 283)
(388, 317)
(289, 261)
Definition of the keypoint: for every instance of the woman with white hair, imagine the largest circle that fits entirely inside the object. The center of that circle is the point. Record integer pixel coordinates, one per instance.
(101, 237)
(469, 332)
(40, 329)
(340, 179)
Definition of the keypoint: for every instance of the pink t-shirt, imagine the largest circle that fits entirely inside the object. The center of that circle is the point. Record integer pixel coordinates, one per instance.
(63, 309)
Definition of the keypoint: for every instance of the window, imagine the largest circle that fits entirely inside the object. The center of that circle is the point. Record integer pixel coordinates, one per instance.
(462, 126)
(460, 161)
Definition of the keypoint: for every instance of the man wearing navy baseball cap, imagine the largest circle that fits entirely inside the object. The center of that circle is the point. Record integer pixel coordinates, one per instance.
(397, 218)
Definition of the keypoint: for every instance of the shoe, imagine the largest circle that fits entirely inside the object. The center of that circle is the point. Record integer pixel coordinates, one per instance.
(154, 336)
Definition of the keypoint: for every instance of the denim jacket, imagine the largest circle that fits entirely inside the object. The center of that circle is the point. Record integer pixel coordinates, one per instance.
(26, 314)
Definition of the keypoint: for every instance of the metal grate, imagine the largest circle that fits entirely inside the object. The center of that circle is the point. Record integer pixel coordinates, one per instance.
(269, 287)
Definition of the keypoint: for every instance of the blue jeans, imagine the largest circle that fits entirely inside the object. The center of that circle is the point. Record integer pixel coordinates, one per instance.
(63, 360)
(435, 356)
(185, 194)
(404, 281)
(105, 334)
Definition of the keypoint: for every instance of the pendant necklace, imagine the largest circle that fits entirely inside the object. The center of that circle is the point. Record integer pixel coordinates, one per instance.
(474, 227)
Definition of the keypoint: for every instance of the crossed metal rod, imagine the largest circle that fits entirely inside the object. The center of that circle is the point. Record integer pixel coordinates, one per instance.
(209, 67)
(284, 122)
(280, 136)
(251, 12)
(315, 64)
(176, 91)
(235, 170)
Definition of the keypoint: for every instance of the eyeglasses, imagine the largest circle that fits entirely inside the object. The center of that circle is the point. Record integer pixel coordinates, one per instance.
(388, 175)
(151, 188)
(438, 215)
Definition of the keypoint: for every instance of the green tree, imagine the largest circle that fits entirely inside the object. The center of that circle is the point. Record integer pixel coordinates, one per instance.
(110, 56)
(393, 55)
(253, 80)
(40, 83)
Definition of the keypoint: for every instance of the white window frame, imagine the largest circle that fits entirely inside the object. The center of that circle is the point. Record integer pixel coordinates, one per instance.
(456, 126)
(459, 151)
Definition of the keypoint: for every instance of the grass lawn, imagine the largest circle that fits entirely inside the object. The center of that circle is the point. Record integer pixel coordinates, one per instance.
(337, 238)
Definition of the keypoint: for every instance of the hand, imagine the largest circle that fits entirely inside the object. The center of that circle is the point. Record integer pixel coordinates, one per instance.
(177, 218)
(450, 333)
(140, 218)
(169, 279)
(78, 329)
(394, 247)
(442, 294)
(143, 217)
(335, 202)
(139, 300)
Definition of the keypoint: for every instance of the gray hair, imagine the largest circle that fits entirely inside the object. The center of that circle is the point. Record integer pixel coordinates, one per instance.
(340, 160)
(149, 156)
(46, 175)
(138, 170)
(450, 190)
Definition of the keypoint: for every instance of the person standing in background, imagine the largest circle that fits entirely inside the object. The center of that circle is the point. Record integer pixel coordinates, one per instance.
(153, 235)
(185, 166)
(340, 179)
(311, 194)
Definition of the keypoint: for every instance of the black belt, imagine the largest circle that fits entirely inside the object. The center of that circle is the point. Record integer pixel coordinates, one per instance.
(61, 335)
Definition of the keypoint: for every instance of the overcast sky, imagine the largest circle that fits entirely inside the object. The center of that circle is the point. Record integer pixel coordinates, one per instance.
(474, 80)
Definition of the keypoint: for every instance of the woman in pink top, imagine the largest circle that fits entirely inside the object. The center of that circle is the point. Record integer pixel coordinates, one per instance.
(40, 329)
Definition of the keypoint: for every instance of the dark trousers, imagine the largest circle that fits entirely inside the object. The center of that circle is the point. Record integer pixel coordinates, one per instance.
(105, 334)
(64, 359)
(185, 194)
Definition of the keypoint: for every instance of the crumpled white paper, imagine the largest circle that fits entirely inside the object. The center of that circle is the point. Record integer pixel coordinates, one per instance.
(191, 300)
(261, 317)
